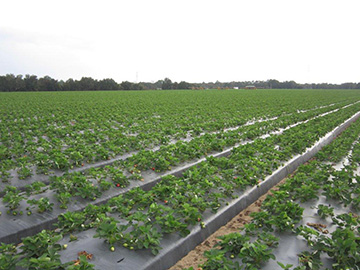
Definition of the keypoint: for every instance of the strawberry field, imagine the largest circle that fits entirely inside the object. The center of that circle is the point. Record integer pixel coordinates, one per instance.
(310, 222)
(134, 180)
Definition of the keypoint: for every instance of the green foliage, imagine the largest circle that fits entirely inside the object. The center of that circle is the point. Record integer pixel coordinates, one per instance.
(40, 251)
(216, 260)
(12, 197)
(8, 257)
(325, 211)
(43, 204)
(67, 130)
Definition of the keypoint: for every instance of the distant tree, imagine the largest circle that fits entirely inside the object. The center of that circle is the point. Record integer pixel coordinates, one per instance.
(19, 83)
(87, 83)
(290, 85)
(158, 84)
(47, 84)
(184, 85)
(3, 84)
(11, 83)
(167, 84)
(70, 85)
(273, 84)
(138, 86)
(30, 82)
(348, 86)
(126, 85)
(108, 84)
(8, 83)
(174, 85)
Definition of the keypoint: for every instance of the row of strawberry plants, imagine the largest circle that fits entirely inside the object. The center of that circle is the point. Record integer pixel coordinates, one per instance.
(194, 148)
(51, 156)
(60, 144)
(25, 171)
(80, 184)
(282, 211)
(130, 239)
(92, 183)
(338, 149)
(194, 194)
(65, 128)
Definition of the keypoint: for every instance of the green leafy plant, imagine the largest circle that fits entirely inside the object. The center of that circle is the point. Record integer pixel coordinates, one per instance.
(41, 250)
(325, 211)
(216, 260)
(12, 197)
(24, 172)
(232, 242)
(254, 254)
(285, 266)
(8, 257)
(43, 204)
(64, 199)
(109, 231)
(35, 188)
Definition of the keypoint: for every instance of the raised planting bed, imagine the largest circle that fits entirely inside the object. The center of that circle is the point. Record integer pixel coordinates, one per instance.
(311, 222)
(45, 132)
(43, 213)
(206, 202)
(161, 157)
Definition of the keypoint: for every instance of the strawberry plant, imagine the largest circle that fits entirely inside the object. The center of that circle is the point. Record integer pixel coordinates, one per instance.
(310, 260)
(71, 221)
(325, 211)
(12, 197)
(4, 175)
(285, 266)
(109, 231)
(24, 172)
(43, 204)
(254, 254)
(169, 224)
(35, 188)
(50, 261)
(143, 236)
(118, 177)
(190, 213)
(63, 198)
(104, 185)
(217, 260)
(40, 249)
(233, 242)
(8, 257)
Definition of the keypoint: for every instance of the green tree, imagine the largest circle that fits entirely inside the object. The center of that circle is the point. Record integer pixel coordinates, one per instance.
(87, 83)
(47, 84)
(126, 85)
(183, 85)
(167, 84)
(108, 84)
(30, 82)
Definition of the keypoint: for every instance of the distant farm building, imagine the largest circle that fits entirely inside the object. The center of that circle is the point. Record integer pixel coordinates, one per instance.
(250, 87)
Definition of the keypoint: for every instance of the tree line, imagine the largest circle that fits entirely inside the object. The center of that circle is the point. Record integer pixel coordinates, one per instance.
(20, 83)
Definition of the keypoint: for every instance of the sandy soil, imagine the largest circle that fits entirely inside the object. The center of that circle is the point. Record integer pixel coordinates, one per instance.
(195, 257)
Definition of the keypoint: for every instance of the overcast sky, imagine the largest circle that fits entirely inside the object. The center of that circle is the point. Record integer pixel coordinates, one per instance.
(191, 40)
